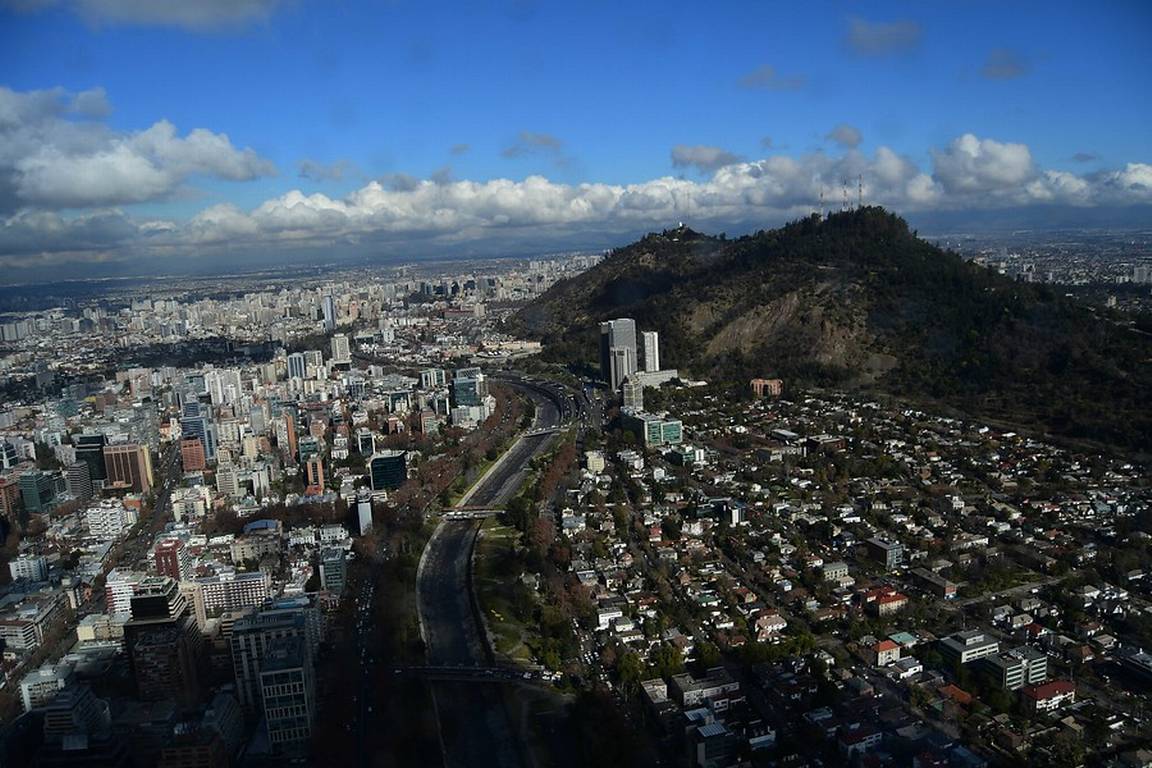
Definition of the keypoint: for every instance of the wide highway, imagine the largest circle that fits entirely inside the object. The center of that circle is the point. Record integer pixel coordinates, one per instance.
(474, 725)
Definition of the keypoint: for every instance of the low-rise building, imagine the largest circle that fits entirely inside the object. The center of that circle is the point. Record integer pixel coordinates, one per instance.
(885, 652)
(26, 626)
(40, 686)
(1016, 668)
(967, 646)
(933, 583)
(890, 554)
(690, 691)
(1048, 696)
(834, 571)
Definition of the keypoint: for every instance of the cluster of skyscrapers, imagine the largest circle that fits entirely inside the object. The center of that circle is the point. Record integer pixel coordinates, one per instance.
(628, 368)
(621, 356)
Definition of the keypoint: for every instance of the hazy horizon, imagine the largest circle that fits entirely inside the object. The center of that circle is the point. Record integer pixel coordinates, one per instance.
(136, 136)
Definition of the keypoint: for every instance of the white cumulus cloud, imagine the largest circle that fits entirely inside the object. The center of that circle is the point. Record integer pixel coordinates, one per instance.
(982, 166)
(969, 173)
(56, 152)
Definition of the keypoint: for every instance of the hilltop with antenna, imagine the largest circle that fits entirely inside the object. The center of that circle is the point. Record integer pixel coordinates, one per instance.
(856, 299)
(844, 205)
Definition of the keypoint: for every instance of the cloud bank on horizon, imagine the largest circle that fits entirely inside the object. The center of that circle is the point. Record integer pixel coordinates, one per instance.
(518, 151)
(65, 175)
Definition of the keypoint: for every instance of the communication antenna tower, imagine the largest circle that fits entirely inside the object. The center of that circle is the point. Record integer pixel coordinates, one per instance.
(844, 190)
(822, 212)
(859, 191)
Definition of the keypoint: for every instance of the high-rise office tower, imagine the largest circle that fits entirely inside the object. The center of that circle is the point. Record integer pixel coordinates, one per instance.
(297, 367)
(364, 514)
(621, 365)
(469, 387)
(365, 442)
(9, 457)
(172, 560)
(129, 466)
(288, 693)
(78, 477)
(313, 361)
(388, 470)
(329, 307)
(196, 422)
(251, 637)
(164, 646)
(341, 349)
(39, 490)
(617, 334)
(633, 392)
(314, 474)
(333, 569)
(430, 378)
(90, 450)
(650, 344)
(192, 454)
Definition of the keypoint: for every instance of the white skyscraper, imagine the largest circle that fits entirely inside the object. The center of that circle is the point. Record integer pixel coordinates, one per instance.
(329, 306)
(622, 364)
(224, 386)
(364, 514)
(30, 567)
(633, 392)
(619, 334)
(341, 350)
(297, 368)
(313, 361)
(650, 341)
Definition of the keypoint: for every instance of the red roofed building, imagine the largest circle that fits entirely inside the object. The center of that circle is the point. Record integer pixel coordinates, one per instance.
(958, 695)
(1036, 631)
(883, 601)
(886, 605)
(885, 652)
(1048, 697)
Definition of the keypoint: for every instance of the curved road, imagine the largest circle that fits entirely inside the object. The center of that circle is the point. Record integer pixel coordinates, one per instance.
(474, 725)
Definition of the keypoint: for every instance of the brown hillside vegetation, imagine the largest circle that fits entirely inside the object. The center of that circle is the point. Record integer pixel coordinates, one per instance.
(858, 300)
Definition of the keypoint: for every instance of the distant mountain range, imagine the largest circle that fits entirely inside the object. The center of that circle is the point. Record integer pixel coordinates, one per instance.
(857, 300)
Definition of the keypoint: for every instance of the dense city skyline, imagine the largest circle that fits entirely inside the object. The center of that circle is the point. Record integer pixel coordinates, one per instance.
(227, 133)
(348, 515)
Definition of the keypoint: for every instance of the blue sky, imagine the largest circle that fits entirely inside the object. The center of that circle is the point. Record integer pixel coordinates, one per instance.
(391, 93)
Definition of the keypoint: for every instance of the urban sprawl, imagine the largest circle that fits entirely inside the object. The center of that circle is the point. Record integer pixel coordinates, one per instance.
(788, 577)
